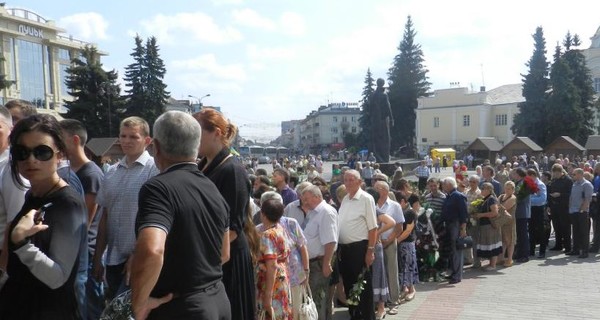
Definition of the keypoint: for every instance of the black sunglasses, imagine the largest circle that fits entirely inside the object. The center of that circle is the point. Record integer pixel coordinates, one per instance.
(41, 152)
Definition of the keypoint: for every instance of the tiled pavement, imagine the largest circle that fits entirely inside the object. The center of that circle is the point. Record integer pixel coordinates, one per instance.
(558, 287)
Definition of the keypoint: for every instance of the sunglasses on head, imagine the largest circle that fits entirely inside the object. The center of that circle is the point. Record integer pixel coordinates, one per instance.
(41, 152)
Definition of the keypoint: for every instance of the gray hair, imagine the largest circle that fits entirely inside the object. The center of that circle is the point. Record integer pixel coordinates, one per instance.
(474, 177)
(5, 116)
(353, 172)
(383, 184)
(301, 186)
(314, 190)
(451, 181)
(178, 134)
(270, 195)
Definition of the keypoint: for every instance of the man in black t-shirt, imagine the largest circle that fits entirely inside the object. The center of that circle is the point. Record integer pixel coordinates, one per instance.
(90, 176)
(182, 232)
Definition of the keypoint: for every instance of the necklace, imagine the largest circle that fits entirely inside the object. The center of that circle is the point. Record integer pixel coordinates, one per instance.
(52, 189)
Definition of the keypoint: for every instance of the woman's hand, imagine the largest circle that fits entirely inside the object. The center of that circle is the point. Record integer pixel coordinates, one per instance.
(26, 227)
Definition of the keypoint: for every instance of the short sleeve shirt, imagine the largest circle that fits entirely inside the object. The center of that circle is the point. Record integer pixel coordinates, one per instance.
(321, 229)
(357, 216)
(394, 210)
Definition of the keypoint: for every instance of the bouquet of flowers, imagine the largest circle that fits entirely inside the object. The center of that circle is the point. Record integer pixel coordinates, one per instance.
(528, 187)
(357, 289)
(474, 210)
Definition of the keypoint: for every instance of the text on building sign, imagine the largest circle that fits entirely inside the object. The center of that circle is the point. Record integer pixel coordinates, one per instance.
(31, 31)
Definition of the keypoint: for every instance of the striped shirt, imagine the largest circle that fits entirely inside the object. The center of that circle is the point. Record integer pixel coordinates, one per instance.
(119, 195)
(422, 172)
(436, 202)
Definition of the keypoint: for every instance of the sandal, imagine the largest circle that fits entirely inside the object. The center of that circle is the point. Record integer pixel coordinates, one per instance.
(393, 311)
(508, 264)
(410, 296)
(380, 316)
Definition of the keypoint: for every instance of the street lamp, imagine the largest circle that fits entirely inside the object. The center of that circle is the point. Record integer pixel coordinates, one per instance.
(199, 99)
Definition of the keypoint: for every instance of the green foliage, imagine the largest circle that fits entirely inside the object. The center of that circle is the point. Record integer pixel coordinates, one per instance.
(530, 122)
(146, 93)
(364, 120)
(408, 81)
(96, 95)
(3, 82)
(351, 140)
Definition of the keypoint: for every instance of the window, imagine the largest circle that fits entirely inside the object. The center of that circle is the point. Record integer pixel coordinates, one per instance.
(63, 54)
(353, 129)
(352, 119)
(344, 119)
(335, 140)
(501, 119)
(466, 120)
(436, 122)
(31, 72)
(334, 130)
(597, 84)
(334, 119)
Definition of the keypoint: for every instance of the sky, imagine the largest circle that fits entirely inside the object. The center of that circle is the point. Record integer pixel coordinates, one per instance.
(264, 62)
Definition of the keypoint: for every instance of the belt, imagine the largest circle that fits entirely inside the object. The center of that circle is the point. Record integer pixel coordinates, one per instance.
(315, 259)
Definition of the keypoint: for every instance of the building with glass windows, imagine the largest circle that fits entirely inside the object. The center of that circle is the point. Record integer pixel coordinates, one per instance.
(592, 58)
(36, 55)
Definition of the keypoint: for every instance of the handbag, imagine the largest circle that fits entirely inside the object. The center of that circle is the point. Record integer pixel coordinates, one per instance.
(119, 308)
(464, 243)
(308, 308)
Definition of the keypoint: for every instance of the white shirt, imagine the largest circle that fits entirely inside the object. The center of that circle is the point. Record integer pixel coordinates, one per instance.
(394, 210)
(12, 196)
(357, 216)
(321, 229)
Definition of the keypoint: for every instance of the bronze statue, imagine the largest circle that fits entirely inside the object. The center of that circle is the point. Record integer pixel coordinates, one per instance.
(381, 121)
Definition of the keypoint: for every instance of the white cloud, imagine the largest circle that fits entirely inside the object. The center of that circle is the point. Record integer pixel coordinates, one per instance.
(250, 18)
(273, 53)
(207, 64)
(190, 26)
(292, 24)
(89, 26)
(227, 2)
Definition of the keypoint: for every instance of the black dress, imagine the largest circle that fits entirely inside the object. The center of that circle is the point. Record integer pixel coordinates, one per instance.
(238, 275)
(24, 295)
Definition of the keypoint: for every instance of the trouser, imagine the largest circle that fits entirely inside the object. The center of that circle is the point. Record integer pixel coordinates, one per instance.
(80, 282)
(538, 233)
(456, 256)
(581, 232)
(208, 303)
(422, 183)
(562, 226)
(522, 239)
(437, 168)
(319, 286)
(390, 256)
(115, 279)
(352, 263)
(94, 293)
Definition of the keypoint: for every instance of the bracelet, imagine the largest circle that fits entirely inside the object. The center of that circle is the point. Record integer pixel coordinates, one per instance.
(370, 248)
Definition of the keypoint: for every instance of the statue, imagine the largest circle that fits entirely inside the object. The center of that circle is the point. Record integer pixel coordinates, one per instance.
(381, 121)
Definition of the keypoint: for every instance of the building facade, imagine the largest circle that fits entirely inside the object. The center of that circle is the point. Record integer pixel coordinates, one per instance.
(455, 117)
(36, 55)
(592, 58)
(324, 129)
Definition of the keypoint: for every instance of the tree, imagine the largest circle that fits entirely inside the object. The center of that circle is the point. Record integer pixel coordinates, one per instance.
(407, 82)
(364, 120)
(147, 95)
(530, 121)
(4, 83)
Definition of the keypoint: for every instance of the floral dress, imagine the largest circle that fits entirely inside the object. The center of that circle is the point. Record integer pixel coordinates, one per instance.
(274, 246)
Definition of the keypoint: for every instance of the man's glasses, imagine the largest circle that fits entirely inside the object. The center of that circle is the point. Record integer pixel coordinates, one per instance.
(41, 152)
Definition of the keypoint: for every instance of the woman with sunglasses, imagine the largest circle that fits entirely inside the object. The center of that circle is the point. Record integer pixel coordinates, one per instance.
(48, 235)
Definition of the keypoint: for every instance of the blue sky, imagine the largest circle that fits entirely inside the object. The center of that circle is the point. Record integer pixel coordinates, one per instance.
(268, 61)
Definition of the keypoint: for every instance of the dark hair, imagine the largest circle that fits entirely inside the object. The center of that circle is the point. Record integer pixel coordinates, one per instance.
(413, 199)
(75, 128)
(261, 189)
(264, 179)
(284, 173)
(26, 107)
(36, 123)
(490, 169)
(272, 209)
(521, 172)
(400, 196)
(251, 178)
(547, 174)
(532, 172)
(320, 180)
(373, 192)
(261, 172)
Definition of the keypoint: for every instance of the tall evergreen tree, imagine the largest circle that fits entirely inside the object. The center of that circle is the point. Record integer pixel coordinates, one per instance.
(407, 79)
(530, 121)
(96, 94)
(147, 95)
(563, 112)
(364, 120)
(583, 83)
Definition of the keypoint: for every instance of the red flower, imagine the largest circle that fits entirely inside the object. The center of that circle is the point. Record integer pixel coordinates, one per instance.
(531, 185)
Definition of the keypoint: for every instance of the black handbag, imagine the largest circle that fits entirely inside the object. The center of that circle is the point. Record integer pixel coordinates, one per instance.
(464, 243)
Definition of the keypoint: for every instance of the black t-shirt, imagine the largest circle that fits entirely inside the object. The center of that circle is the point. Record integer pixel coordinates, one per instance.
(488, 202)
(91, 177)
(63, 243)
(409, 217)
(189, 208)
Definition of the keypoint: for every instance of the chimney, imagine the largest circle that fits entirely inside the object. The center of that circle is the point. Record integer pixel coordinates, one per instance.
(482, 89)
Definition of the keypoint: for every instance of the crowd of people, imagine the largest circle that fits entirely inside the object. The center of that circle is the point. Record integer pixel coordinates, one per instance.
(189, 232)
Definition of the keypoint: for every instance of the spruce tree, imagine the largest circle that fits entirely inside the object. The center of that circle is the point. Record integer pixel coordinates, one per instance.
(584, 85)
(364, 120)
(147, 95)
(408, 81)
(96, 94)
(530, 121)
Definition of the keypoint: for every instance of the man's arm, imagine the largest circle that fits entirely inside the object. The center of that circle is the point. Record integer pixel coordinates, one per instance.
(370, 256)
(327, 256)
(97, 267)
(225, 247)
(145, 269)
(92, 206)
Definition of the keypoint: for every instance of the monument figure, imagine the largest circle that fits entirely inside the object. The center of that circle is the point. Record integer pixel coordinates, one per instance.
(381, 121)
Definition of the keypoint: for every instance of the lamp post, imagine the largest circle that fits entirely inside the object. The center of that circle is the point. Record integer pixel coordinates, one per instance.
(199, 99)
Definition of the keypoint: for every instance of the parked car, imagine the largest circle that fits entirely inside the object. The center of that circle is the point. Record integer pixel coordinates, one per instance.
(264, 160)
